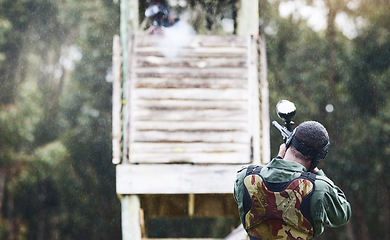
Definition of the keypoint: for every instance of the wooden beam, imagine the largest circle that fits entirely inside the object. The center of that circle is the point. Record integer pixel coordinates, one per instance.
(191, 137)
(191, 72)
(192, 62)
(192, 152)
(191, 115)
(201, 126)
(202, 104)
(221, 52)
(190, 82)
(197, 41)
(195, 158)
(191, 94)
(175, 178)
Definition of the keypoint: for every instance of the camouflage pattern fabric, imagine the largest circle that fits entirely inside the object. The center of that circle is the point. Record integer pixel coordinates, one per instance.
(276, 215)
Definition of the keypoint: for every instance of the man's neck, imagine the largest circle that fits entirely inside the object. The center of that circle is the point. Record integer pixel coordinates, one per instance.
(289, 156)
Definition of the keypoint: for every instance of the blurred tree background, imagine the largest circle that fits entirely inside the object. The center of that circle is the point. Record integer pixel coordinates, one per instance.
(56, 176)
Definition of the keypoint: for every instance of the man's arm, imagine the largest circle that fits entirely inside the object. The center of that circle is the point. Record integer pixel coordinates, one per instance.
(329, 205)
(239, 191)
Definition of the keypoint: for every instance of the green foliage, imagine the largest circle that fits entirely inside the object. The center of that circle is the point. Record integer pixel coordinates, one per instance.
(87, 110)
(21, 22)
(55, 124)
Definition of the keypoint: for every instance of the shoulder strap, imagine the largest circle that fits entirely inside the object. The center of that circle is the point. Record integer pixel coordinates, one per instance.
(309, 176)
(253, 169)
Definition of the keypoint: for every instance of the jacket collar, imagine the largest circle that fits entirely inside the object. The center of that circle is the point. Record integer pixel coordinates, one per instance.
(286, 165)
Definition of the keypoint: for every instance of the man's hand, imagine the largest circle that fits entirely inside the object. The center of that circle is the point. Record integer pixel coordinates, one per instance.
(282, 150)
(315, 170)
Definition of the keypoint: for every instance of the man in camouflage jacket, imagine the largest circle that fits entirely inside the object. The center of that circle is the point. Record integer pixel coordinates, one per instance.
(282, 200)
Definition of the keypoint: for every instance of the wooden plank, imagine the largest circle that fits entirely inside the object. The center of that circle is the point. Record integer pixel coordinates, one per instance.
(191, 115)
(191, 94)
(165, 72)
(198, 51)
(177, 82)
(196, 158)
(198, 41)
(155, 147)
(189, 62)
(184, 52)
(175, 178)
(190, 126)
(153, 104)
(213, 137)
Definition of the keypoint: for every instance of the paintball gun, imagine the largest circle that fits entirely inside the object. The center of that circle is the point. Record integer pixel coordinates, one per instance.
(286, 111)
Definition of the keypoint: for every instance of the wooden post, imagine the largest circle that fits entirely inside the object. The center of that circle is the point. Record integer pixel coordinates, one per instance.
(131, 225)
(129, 26)
(248, 24)
(125, 59)
(191, 204)
(254, 120)
(248, 18)
(116, 101)
(264, 101)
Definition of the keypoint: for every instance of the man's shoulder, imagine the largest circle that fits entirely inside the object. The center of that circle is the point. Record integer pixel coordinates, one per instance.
(322, 181)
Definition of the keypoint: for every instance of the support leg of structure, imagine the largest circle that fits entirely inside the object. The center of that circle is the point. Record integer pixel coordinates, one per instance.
(131, 227)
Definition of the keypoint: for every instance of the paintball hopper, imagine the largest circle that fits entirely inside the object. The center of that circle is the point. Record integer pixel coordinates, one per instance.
(286, 111)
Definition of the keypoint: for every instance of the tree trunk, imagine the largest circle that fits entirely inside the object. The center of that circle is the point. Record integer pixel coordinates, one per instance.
(363, 230)
(386, 212)
(331, 34)
(3, 174)
(350, 232)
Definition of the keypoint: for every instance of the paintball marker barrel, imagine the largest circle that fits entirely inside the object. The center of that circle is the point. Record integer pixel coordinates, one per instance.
(283, 130)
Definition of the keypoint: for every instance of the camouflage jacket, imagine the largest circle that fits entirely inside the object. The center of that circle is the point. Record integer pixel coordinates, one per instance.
(328, 203)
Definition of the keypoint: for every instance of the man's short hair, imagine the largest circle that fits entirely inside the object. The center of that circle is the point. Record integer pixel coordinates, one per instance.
(313, 134)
